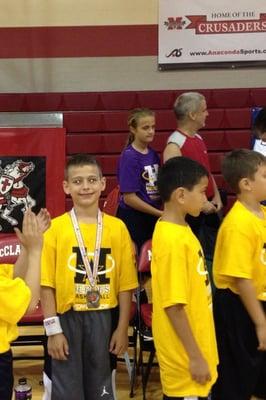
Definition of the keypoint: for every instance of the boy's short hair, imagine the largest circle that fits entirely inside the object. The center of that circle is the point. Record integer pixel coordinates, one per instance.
(179, 172)
(239, 164)
(79, 160)
(259, 125)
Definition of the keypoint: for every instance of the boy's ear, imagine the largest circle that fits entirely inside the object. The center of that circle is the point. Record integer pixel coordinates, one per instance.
(103, 182)
(244, 184)
(179, 195)
(65, 187)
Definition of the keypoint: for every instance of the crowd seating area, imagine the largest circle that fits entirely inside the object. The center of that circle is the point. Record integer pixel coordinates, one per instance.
(97, 122)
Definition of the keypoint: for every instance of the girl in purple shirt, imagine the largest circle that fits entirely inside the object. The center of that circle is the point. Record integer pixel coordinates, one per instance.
(139, 205)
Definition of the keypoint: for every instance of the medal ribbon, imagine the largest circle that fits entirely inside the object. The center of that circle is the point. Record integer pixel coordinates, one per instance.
(92, 276)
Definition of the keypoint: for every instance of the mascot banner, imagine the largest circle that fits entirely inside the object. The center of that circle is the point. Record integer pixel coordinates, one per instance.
(31, 173)
(207, 33)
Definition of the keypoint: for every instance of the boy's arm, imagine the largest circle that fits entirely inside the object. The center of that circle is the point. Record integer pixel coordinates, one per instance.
(21, 265)
(31, 238)
(119, 340)
(198, 366)
(248, 296)
(48, 301)
(57, 344)
(32, 278)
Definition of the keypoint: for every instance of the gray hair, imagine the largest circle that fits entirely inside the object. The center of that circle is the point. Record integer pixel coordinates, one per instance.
(186, 103)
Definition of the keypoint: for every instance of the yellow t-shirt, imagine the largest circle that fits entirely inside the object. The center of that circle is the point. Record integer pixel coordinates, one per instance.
(14, 300)
(63, 269)
(179, 276)
(240, 250)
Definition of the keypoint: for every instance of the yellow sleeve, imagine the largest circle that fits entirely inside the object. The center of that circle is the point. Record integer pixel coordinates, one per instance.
(15, 297)
(7, 271)
(171, 273)
(128, 270)
(234, 254)
(48, 263)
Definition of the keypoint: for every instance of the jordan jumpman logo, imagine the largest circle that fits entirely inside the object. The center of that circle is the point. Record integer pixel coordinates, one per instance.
(104, 392)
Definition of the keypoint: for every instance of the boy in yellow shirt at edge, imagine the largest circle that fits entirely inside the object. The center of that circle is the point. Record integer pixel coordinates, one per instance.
(88, 274)
(182, 323)
(19, 290)
(240, 277)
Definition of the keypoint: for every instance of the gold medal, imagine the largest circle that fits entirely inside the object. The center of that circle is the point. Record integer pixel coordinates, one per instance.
(93, 298)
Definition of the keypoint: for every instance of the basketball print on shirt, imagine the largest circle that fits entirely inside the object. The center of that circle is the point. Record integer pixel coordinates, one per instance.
(82, 285)
(150, 175)
(203, 271)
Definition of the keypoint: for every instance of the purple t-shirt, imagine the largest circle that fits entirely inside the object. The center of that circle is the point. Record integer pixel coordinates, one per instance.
(137, 173)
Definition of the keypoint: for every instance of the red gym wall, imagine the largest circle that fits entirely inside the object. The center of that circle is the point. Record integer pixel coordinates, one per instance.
(95, 122)
(94, 45)
(94, 60)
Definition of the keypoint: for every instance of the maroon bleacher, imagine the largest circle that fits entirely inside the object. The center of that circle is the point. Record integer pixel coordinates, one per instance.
(96, 122)
(230, 98)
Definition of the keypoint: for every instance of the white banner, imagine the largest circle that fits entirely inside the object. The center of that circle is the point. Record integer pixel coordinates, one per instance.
(206, 32)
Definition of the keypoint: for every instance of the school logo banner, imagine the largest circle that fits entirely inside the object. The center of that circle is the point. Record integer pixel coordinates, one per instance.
(211, 33)
(31, 173)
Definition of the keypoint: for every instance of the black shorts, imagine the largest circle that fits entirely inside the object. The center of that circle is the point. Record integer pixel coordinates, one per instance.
(89, 372)
(241, 366)
(6, 375)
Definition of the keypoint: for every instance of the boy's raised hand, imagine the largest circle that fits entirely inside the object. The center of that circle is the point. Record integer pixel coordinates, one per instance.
(31, 235)
(44, 219)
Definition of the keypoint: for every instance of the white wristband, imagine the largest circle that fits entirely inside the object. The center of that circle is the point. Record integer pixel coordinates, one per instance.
(52, 326)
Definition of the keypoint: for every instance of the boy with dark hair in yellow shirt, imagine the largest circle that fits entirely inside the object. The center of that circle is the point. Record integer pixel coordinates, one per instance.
(239, 271)
(19, 291)
(182, 324)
